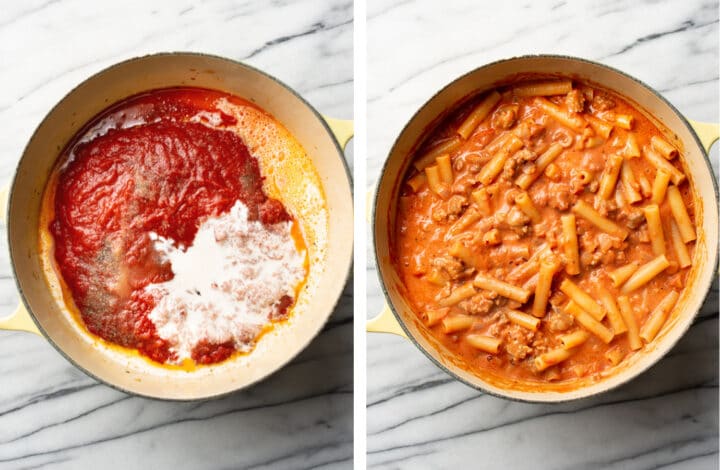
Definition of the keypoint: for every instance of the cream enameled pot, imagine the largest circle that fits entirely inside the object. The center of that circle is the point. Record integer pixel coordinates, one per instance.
(39, 312)
(694, 138)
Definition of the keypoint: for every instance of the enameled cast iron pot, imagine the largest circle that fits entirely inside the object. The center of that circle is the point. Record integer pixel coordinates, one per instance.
(323, 140)
(693, 138)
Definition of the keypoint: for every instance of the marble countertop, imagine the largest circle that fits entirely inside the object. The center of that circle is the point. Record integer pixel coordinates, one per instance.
(418, 417)
(51, 414)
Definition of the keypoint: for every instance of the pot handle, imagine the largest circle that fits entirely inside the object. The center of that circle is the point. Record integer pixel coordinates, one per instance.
(20, 319)
(342, 129)
(707, 132)
(385, 322)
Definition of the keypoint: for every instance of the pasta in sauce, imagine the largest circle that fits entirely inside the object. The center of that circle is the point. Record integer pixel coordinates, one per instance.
(545, 231)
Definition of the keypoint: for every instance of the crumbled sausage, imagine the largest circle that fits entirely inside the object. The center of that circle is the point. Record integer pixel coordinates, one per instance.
(602, 102)
(559, 321)
(478, 304)
(518, 351)
(605, 206)
(528, 168)
(449, 266)
(559, 196)
(575, 101)
(439, 214)
(456, 204)
(516, 341)
(526, 155)
(635, 218)
(511, 165)
(516, 217)
(504, 117)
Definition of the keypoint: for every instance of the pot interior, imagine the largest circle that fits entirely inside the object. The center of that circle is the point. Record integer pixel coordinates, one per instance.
(132, 373)
(647, 101)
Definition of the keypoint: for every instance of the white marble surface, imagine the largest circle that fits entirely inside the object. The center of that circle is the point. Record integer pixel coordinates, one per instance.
(53, 416)
(418, 417)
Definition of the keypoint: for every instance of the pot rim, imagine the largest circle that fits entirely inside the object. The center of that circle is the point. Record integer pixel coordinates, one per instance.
(557, 397)
(11, 191)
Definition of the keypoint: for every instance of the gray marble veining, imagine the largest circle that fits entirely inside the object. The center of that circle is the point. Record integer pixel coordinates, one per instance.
(52, 415)
(418, 417)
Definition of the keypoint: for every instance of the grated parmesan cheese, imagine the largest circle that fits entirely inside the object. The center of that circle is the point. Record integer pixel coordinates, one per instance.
(226, 284)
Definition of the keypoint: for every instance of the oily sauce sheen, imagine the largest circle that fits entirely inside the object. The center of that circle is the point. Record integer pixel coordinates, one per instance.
(165, 174)
(501, 242)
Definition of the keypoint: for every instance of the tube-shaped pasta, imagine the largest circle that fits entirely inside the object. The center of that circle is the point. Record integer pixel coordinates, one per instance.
(492, 168)
(609, 178)
(631, 149)
(552, 172)
(602, 128)
(459, 294)
(570, 244)
(485, 343)
(435, 183)
(681, 251)
(630, 185)
(680, 214)
(531, 284)
(433, 316)
(614, 355)
(460, 251)
(523, 319)
(448, 146)
(526, 205)
(455, 323)
(594, 141)
(574, 339)
(482, 199)
(591, 324)
(525, 180)
(544, 88)
(624, 121)
(466, 220)
(551, 358)
(573, 121)
(436, 277)
(663, 147)
(542, 289)
(445, 168)
(478, 114)
(660, 185)
(502, 288)
(629, 317)
(655, 230)
(530, 267)
(658, 317)
(613, 313)
(676, 176)
(582, 298)
(587, 212)
(645, 274)
(498, 142)
(623, 273)
(644, 183)
(417, 181)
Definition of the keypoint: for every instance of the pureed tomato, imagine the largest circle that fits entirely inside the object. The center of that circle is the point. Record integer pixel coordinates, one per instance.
(155, 169)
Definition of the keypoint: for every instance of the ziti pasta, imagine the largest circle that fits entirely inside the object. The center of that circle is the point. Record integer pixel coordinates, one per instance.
(545, 231)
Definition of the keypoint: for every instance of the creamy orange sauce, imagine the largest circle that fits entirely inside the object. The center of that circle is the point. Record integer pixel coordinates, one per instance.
(503, 243)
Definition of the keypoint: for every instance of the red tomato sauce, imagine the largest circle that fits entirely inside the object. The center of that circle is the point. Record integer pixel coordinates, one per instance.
(166, 175)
